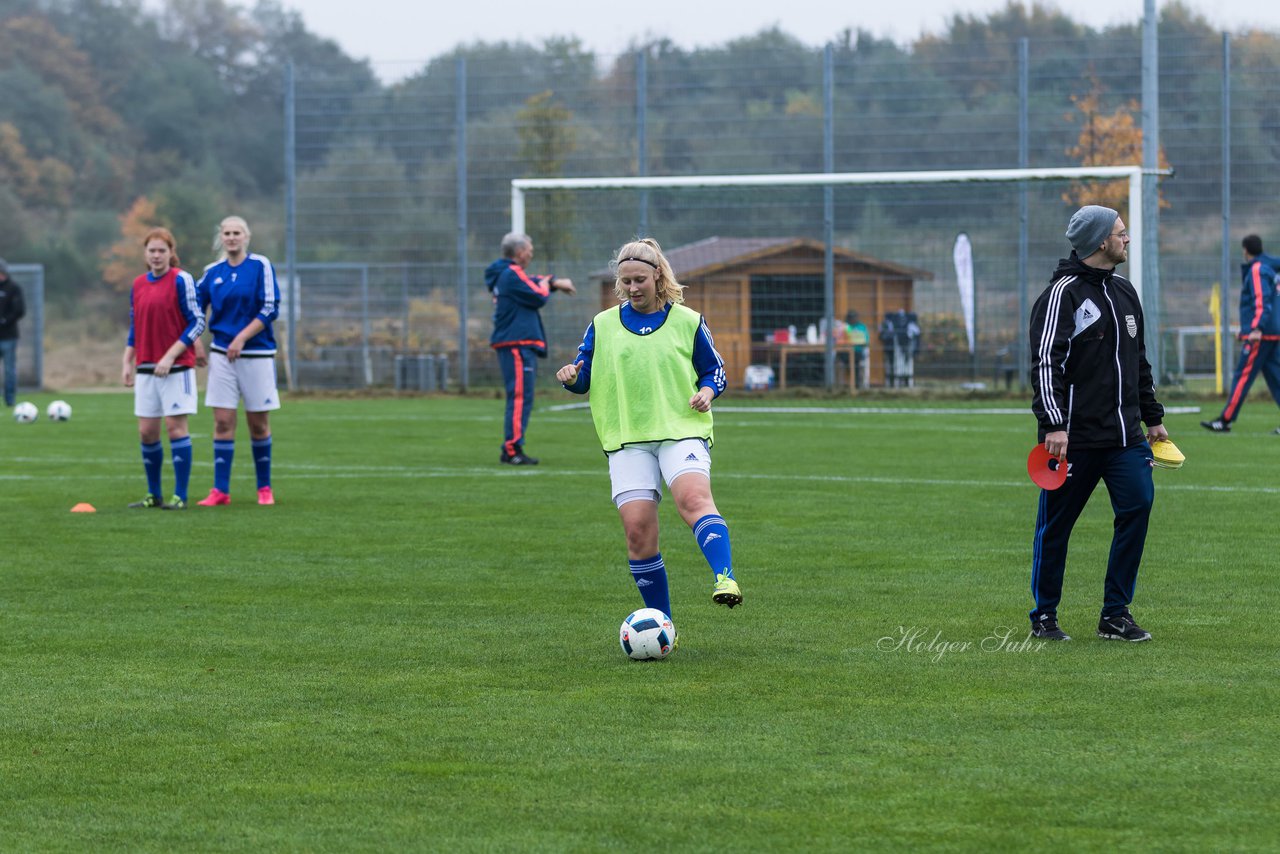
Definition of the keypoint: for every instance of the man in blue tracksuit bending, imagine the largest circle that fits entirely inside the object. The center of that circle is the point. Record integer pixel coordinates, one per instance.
(518, 337)
(1093, 392)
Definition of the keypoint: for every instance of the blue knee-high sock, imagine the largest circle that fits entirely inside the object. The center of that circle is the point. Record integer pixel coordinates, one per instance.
(152, 460)
(712, 535)
(262, 461)
(224, 451)
(651, 579)
(180, 451)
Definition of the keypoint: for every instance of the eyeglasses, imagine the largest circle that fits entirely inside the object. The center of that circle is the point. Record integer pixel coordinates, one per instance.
(1120, 234)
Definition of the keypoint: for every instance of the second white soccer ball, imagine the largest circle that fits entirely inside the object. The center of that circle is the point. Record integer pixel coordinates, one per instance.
(647, 634)
(59, 410)
(25, 412)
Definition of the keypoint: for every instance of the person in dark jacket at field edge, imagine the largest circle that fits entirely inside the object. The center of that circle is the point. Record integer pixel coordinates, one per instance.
(518, 337)
(1093, 391)
(12, 309)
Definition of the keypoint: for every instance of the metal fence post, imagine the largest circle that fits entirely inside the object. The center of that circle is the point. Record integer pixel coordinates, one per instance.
(829, 220)
(1224, 311)
(460, 118)
(290, 224)
(642, 135)
(1151, 189)
(1024, 310)
(405, 307)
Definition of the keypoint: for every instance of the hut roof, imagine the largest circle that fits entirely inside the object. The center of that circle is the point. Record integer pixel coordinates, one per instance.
(714, 254)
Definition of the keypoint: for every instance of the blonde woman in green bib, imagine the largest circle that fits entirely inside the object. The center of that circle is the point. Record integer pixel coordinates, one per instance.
(653, 371)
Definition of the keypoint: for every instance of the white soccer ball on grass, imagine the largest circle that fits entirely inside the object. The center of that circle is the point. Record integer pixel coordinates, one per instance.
(25, 412)
(647, 634)
(59, 410)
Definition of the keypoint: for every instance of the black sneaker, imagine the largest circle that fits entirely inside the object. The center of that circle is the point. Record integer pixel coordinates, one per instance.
(1122, 627)
(1045, 627)
(1217, 425)
(519, 458)
(148, 503)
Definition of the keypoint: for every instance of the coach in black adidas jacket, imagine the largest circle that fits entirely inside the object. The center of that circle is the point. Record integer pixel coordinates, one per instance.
(1093, 392)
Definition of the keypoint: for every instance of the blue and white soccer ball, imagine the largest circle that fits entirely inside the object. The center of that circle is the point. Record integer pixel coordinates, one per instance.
(25, 412)
(59, 410)
(647, 634)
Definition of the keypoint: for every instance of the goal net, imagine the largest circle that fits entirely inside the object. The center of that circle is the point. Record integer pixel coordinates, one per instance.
(785, 267)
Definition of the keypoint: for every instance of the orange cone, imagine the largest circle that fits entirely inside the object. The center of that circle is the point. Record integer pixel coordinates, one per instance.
(84, 508)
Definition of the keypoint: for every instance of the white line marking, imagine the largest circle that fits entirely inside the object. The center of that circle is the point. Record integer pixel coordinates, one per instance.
(319, 472)
(878, 410)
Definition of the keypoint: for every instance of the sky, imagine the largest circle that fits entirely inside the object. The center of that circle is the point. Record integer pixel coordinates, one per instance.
(398, 36)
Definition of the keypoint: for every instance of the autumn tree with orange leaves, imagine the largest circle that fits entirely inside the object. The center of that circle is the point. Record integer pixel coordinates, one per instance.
(122, 261)
(1106, 139)
(40, 182)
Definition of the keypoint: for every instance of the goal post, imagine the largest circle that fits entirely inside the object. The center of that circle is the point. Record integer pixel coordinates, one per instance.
(763, 205)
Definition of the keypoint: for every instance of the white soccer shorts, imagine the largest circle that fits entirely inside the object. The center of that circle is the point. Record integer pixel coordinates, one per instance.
(637, 471)
(251, 378)
(155, 397)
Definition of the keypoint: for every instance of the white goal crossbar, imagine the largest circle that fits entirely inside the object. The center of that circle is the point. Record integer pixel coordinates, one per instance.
(1134, 174)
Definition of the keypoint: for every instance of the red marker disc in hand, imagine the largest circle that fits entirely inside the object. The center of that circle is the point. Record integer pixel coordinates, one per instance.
(1046, 470)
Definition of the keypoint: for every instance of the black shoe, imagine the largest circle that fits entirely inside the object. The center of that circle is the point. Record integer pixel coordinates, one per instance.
(519, 458)
(1218, 426)
(1122, 627)
(148, 503)
(1045, 627)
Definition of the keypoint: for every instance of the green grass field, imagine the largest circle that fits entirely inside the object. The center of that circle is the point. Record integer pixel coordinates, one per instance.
(416, 649)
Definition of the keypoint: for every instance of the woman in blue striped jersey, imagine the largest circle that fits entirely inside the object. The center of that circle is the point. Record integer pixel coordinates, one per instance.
(241, 295)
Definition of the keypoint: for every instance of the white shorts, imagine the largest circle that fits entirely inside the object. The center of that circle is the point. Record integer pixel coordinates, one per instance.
(251, 378)
(637, 471)
(154, 397)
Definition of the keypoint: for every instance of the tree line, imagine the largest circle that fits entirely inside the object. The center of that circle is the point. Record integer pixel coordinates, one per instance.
(114, 115)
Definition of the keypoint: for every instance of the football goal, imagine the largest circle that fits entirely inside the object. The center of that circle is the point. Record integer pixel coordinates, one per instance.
(785, 266)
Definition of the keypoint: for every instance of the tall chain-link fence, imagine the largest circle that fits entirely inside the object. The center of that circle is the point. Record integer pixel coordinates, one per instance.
(403, 194)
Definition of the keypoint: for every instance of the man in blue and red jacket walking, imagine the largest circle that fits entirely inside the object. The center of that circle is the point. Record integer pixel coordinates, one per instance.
(1259, 334)
(518, 337)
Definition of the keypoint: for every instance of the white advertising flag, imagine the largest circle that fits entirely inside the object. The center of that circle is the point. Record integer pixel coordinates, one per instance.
(963, 255)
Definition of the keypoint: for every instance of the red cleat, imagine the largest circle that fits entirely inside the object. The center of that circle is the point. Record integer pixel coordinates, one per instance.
(216, 498)
(264, 496)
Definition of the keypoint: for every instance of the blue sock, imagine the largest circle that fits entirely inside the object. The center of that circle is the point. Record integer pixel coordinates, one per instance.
(712, 535)
(651, 578)
(224, 451)
(262, 461)
(152, 460)
(180, 451)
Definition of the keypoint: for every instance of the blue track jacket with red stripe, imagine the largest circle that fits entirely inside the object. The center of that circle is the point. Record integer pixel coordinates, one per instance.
(517, 298)
(1258, 297)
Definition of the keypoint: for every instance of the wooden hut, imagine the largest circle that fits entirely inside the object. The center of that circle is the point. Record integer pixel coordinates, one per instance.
(750, 288)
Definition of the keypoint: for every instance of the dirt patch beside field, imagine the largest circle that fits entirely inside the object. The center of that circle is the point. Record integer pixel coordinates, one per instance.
(83, 363)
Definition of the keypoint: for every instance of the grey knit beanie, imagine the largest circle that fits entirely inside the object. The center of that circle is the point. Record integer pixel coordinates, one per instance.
(1090, 226)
